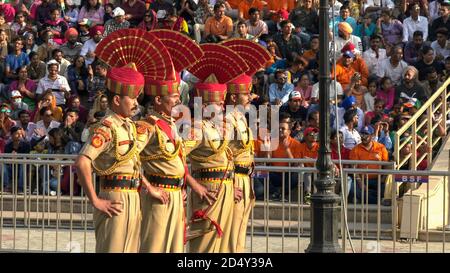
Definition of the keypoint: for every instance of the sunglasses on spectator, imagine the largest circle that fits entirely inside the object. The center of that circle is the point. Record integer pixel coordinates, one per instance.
(5, 110)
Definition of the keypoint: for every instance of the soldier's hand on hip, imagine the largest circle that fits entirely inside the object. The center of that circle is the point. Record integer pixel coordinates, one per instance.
(184, 194)
(110, 208)
(204, 194)
(158, 193)
(237, 194)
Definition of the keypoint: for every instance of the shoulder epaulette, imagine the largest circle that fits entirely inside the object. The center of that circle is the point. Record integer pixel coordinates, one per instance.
(143, 126)
(107, 123)
(103, 133)
(152, 119)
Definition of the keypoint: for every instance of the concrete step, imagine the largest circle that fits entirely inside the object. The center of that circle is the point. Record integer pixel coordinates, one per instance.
(46, 220)
(38, 203)
(295, 229)
(296, 211)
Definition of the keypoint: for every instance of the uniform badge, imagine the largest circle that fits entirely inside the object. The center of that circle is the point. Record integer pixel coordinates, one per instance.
(141, 130)
(96, 141)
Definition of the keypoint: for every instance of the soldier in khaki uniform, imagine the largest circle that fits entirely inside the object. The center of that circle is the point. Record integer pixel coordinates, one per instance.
(164, 159)
(209, 154)
(113, 151)
(242, 140)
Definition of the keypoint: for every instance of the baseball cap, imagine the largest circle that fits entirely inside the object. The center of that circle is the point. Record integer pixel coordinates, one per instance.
(16, 94)
(348, 102)
(295, 95)
(118, 12)
(348, 53)
(367, 130)
(310, 130)
(161, 14)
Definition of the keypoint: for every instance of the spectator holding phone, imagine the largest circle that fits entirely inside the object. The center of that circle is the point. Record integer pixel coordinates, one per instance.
(55, 83)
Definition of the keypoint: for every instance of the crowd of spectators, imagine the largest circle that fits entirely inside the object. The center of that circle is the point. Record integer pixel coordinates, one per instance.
(387, 58)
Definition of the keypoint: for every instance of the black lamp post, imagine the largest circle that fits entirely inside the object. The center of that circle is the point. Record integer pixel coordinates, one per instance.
(325, 203)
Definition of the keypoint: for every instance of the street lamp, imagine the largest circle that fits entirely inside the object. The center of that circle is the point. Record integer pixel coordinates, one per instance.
(324, 203)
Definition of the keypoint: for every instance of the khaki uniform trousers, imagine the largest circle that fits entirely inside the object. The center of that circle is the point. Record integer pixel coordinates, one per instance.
(118, 234)
(221, 212)
(162, 228)
(241, 213)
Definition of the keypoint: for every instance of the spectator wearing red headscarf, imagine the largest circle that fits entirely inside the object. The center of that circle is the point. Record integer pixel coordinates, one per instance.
(8, 11)
(88, 49)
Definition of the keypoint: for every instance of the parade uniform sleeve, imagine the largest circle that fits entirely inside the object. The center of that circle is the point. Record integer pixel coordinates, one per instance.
(99, 142)
(144, 131)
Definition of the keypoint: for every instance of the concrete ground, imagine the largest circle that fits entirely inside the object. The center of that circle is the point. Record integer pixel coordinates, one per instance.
(35, 240)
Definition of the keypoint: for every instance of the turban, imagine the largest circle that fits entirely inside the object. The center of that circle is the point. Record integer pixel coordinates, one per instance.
(71, 32)
(93, 31)
(345, 27)
(125, 81)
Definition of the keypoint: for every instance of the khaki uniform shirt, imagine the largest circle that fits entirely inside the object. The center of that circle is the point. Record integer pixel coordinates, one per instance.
(205, 149)
(152, 156)
(115, 145)
(241, 143)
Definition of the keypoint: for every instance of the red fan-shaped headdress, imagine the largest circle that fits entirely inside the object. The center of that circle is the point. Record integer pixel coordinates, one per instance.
(215, 69)
(137, 48)
(184, 53)
(256, 58)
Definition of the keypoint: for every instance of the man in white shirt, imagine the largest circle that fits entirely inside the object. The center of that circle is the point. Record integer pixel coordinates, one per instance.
(345, 36)
(337, 7)
(413, 23)
(374, 55)
(442, 45)
(351, 136)
(393, 66)
(88, 49)
(256, 26)
(54, 82)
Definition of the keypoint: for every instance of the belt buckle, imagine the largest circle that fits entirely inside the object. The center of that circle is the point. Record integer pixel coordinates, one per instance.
(135, 183)
(181, 182)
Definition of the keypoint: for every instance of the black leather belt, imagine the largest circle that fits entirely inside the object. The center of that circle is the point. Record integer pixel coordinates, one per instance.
(165, 182)
(119, 182)
(212, 174)
(242, 170)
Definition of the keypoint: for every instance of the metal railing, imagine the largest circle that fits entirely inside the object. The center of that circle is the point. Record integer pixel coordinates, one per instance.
(39, 221)
(422, 121)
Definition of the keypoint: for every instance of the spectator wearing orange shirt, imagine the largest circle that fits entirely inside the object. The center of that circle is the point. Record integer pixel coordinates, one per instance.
(219, 25)
(358, 64)
(287, 148)
(371, 150)
(245, 5)
(309, 148)
(344, 69)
